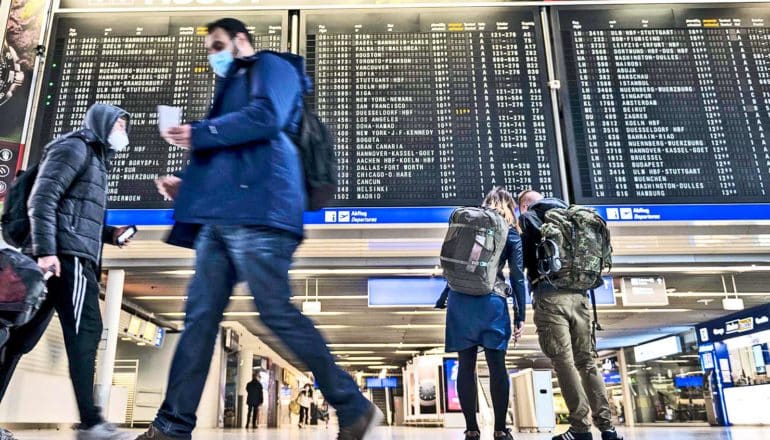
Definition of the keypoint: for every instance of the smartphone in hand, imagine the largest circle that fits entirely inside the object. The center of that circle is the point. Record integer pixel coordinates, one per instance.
(126, 235)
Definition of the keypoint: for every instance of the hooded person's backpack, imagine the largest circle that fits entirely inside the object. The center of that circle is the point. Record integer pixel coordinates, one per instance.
(472, 249)
(575, 248)
(15, 218)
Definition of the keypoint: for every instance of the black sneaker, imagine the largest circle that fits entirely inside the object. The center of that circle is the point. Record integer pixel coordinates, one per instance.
(154, 433)
(361, 428)
(572, 435)
(611, 435)
(504, 435)
(472, 435)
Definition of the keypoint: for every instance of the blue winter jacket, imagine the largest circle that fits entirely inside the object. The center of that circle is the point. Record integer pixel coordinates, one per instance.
(244, 169)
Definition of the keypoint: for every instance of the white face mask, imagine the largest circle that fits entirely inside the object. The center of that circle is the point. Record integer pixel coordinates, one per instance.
(118, 140)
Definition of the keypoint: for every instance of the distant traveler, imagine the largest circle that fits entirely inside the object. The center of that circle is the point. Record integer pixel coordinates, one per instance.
(254, 399)
(241, 202)
(305, 403)
(477, 322)
(565, 329)
(67, 208)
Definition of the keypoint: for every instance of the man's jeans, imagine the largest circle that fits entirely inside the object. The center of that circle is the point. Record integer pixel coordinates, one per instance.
(564, 327)
(261, 257)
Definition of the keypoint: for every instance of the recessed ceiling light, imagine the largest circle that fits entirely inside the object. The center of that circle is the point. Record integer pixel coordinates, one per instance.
(348, 364)
(352, 352)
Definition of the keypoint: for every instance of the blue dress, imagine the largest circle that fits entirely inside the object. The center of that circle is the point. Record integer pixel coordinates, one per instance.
(484, 321)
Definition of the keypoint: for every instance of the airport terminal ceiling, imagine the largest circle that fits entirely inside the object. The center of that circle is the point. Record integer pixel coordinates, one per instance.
(392, 335)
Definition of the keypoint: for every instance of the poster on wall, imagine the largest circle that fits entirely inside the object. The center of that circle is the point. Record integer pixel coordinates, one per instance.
(450, 380)
(17, 63)
(427, 392)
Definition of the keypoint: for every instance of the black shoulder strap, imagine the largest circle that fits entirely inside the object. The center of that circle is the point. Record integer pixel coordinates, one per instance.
(442, 300)
(596, 313)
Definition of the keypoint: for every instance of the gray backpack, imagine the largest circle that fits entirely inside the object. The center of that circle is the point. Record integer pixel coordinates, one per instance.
(472, 249)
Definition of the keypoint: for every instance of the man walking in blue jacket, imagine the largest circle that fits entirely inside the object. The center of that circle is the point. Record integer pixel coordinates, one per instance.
(243, 197)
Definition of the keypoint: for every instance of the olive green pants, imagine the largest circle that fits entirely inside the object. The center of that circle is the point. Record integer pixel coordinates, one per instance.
(564, 327)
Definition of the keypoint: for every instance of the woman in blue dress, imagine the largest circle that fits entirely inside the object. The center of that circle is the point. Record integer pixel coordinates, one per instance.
(474, 323)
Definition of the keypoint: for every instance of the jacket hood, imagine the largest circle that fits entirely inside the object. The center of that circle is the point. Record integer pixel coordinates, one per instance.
(100, 118)
(545, 205)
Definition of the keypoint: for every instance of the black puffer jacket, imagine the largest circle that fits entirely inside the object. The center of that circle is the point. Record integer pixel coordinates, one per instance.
(67, 207)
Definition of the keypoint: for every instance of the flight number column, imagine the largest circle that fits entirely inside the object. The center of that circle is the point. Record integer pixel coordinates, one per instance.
(446, 153)
(534, 91)
(713, 112)
(584, 73)
(334, 91)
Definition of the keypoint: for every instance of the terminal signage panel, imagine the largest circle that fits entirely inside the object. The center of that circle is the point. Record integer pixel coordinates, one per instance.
(666, 105)
(386, 382)
(433, 107)
(644, 291)
(113, 59)
(404, 292)
(744, 322)
(658, 349)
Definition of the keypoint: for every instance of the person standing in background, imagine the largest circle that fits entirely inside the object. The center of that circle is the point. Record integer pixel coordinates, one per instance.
(254, 399)
(305, 404)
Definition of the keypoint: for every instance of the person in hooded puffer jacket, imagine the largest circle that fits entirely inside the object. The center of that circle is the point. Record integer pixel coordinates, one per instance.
(241, 202)
(67, 208)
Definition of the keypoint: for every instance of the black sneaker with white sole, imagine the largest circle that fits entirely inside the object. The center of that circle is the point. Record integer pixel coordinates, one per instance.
(363, 426)
(611, 435)
(572, 435)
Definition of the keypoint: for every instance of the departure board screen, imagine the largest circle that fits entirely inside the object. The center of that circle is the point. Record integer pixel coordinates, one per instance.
(433, 107)
(137, 63)
(667, 105)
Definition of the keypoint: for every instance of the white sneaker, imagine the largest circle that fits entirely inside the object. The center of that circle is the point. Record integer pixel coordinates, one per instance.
(104, 431)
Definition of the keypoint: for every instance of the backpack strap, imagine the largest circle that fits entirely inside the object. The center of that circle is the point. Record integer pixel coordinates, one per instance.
(595, 326)
(442, 300)
(89, 153)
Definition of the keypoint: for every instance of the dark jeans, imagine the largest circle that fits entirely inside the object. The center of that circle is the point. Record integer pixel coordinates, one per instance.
(304, 415)
(261, 257)
(75, 298)
(253, 416)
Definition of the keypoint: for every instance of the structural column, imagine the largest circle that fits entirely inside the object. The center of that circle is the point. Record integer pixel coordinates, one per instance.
(113, 299)
(625, 381)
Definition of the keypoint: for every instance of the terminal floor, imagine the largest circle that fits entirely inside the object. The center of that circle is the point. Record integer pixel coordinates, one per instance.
(662, 433)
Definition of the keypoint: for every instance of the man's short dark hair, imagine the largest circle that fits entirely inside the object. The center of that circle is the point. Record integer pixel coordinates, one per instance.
(523, 194)
(232, 26)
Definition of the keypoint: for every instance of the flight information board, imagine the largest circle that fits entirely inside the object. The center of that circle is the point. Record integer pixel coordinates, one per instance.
(136, 62)
(666, 105)
(433, 107)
